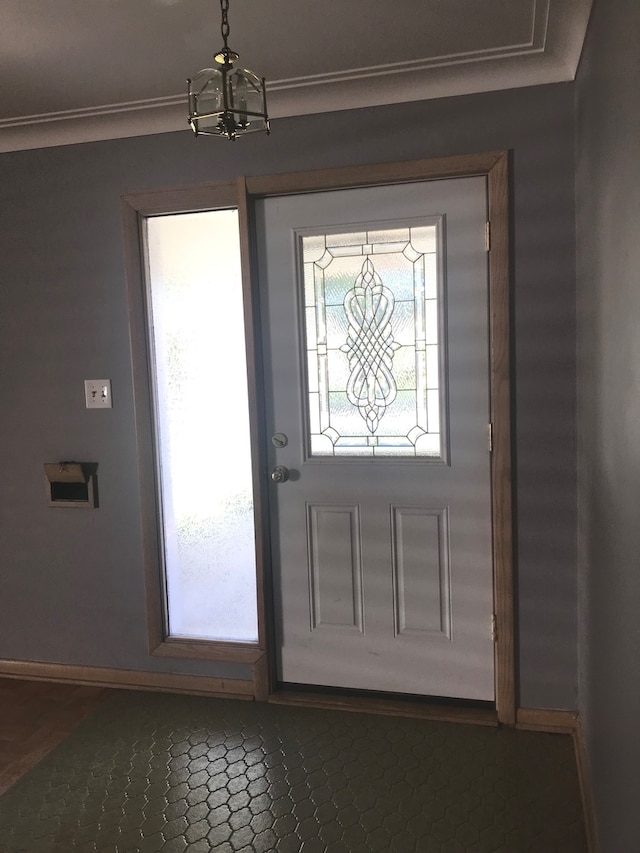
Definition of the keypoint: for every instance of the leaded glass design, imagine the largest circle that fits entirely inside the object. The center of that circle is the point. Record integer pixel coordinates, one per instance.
(372, 334)
(370, 346)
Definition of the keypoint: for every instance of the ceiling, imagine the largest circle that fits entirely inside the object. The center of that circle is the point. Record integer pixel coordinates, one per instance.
(81, 70)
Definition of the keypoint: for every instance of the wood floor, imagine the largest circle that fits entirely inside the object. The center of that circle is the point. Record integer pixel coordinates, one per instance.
(34, 717)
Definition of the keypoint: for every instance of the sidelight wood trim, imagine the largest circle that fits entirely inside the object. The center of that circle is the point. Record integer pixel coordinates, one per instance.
(208, 196)
(494, 165)
(143, 413)
(201, 685)
(387, 707)
(501, 458)
(380, 173)
(173, 647)
(135, 208)
(255, 384)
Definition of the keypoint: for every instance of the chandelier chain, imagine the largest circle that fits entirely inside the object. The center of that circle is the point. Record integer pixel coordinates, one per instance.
(224, 27)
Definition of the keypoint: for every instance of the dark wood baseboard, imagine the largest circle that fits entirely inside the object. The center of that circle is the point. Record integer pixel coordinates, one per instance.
(567, 722)
(230, 688)
(546, 720)
(586, 789)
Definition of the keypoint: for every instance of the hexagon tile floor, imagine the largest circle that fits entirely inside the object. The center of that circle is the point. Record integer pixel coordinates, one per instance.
(152, 773)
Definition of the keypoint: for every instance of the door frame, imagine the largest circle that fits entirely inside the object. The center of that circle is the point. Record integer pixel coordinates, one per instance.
(242, 193)
(494, 166)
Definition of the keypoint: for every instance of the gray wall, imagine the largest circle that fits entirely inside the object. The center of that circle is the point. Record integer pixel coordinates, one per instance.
(71, 582)
(608, 206)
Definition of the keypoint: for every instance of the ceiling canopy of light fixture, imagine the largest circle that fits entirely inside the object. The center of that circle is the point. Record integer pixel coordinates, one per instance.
(227, 101)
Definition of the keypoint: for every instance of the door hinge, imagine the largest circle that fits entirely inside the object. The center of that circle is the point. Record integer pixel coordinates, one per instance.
(490, 437)
(494, 628)
(487, 236)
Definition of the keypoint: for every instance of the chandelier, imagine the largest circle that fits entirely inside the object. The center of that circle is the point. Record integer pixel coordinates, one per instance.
(227, 101)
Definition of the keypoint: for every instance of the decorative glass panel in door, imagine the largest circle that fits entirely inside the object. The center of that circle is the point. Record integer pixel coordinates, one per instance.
(373, 340)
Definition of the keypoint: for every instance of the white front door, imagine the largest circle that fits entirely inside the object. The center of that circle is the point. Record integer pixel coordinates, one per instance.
(374, 304)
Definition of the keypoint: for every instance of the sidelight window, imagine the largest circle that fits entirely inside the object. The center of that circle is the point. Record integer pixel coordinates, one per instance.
(203, 451)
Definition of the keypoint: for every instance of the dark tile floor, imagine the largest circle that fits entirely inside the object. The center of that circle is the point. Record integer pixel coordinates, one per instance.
(151, 773)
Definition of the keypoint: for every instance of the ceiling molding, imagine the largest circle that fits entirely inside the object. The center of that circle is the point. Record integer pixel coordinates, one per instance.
(551, 54)
(535, 45)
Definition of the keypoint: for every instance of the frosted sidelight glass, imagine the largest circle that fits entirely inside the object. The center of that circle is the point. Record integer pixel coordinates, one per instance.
(195, 309)
(373, 349)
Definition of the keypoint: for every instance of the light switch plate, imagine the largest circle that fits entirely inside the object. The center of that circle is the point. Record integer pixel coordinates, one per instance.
(97, 393)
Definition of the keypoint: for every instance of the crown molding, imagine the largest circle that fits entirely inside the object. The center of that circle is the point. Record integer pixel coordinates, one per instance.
(550, 55)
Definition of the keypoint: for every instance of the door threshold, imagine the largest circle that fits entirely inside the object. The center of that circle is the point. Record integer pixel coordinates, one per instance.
(444, 711)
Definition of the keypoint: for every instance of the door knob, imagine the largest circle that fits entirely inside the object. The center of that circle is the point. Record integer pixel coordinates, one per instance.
(280, 474)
